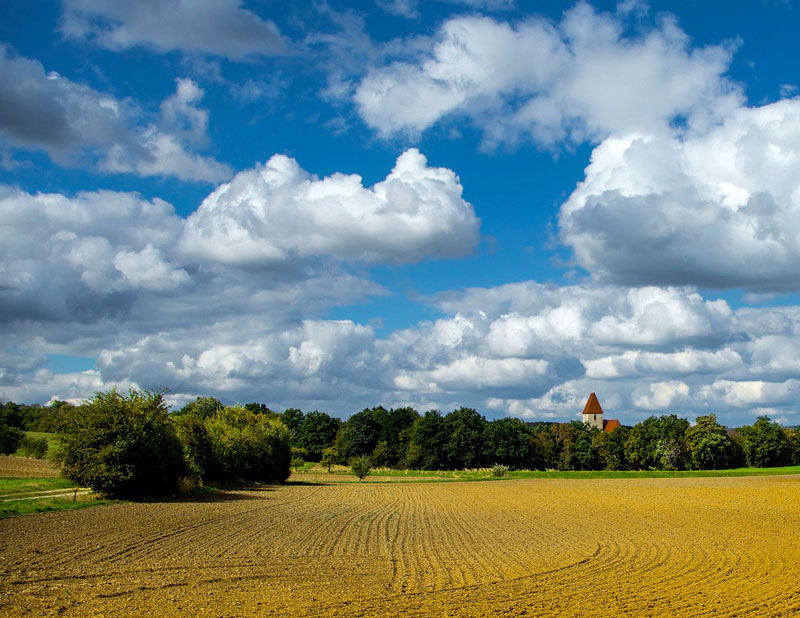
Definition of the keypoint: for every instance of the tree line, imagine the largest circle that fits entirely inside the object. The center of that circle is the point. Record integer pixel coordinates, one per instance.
(132, 445)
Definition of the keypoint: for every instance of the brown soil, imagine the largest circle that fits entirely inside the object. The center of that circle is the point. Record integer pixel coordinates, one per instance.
(638, 547)
(22, 467)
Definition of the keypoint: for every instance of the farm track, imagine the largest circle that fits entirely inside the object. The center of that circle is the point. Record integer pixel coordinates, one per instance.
(635, 547)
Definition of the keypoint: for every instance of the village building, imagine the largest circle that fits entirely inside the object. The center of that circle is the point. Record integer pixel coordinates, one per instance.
(593, 415)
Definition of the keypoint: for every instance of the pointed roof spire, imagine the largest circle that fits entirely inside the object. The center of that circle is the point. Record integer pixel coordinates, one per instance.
(592, 405)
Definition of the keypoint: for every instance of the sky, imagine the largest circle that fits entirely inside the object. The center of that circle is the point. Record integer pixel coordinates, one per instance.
(333, 205)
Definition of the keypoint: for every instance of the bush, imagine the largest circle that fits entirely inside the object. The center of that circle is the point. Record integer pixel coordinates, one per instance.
(123, 445)
(247, 446)
(33, 447)
(10, 438)
(361, 466)
(499, 470)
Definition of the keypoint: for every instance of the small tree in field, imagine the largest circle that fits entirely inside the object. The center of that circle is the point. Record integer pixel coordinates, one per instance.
(298, 455)
(361, 466)
(329, 457)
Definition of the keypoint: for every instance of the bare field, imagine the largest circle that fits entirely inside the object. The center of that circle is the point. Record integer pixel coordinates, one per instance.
(635, 547)
(22, 467)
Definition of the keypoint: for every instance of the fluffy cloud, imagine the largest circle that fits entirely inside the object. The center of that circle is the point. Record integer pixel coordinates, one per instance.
(278, 211)
(580, 78)
(718, 208)
(219, 27)
(77, 125)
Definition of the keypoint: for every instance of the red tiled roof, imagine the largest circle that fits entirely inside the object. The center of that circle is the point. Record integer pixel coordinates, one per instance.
(611, 424)
(592, 405)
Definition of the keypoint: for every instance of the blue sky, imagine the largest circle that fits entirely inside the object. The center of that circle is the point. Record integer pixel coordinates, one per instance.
(334, 205)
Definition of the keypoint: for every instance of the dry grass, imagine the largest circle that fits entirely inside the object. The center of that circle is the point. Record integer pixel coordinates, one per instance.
(639, 547)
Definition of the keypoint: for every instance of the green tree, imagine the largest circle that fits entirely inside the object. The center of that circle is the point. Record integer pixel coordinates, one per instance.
(123, 445)
(710, 447)
(10, 438)
(202, 407)
(507, 442)
(329, 457)
(544, 449)
(298, 458)
(247, 446)
(658, 443)
(428, 437)
(765, 444)
(361, 466)
(292, 418)
(466, 435)
(610, 448)
(362, 432)
(316, 432)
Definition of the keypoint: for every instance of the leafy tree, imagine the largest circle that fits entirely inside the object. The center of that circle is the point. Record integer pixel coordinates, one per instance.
(544, 449)
(260, 408)
(316, 432)
(362, 432)
(466, 435)
(610, 448)
(10, 438)
(202, 407)
(298, 455)
(123, 445)
(428, 437)
(382, 455)
(198, 452)
(292, 417)
(11, 414)
(658, 443)
(361, 466)
(248, 446)
(396, 430)
(765, 444)
(329, 457)
(507, 442)
(710, 447)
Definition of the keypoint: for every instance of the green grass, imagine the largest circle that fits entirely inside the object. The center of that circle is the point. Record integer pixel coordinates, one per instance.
(486, 474)
(15, 485)
(26, 507)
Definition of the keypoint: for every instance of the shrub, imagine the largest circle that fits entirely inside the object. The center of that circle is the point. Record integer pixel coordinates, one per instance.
(10, 438)
(33, 447)
(361, 466)
(122, 445)
(247, 446)
(499, 470)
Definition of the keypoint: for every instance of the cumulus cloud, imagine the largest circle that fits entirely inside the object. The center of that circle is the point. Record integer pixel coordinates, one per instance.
(218, 27)
(717, 208)
(77, 125)
(581, 78)
(278, 211)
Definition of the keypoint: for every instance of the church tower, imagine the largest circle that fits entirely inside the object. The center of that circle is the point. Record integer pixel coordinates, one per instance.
(593, 413)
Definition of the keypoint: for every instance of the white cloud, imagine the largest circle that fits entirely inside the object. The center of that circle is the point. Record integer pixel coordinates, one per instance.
(580, 78)
(278, 212)
(718, 208)
(663, 395)
(218, 27)
(636, 362)
(77, 125)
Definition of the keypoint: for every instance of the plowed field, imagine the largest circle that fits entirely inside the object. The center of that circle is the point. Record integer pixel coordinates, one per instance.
(635, 547)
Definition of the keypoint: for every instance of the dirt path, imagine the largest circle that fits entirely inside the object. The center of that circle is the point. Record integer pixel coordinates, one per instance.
(658, 547)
